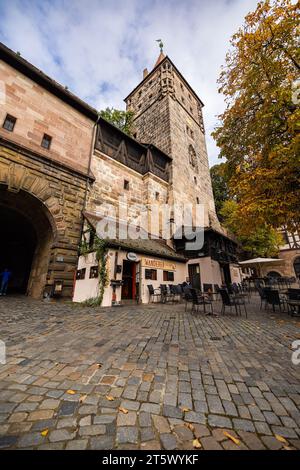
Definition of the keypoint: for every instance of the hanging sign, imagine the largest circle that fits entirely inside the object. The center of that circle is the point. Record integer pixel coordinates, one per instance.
(131, 256)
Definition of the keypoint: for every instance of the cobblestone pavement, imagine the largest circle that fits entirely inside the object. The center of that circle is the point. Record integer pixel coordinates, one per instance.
(72, 371)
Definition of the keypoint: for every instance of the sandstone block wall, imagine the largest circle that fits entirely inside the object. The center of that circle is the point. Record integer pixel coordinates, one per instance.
(52, 199)
(38, 112)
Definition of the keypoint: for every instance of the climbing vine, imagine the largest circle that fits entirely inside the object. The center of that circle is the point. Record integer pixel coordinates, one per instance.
(98, 246)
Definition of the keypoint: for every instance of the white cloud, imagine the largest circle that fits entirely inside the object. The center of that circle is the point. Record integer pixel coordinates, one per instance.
(99, 48)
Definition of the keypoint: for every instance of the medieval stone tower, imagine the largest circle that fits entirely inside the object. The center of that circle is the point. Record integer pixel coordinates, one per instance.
(168, 113)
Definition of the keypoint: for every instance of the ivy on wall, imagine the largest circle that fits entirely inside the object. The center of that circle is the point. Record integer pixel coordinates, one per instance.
(98, 246)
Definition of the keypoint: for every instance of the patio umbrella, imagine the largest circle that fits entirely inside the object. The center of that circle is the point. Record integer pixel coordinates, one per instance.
(258, 262)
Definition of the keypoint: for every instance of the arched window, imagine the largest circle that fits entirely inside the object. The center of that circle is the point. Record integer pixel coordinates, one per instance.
(192, 157)
(297, 266)
(273, 274)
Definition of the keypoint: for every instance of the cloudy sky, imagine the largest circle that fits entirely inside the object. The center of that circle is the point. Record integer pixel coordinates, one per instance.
(98, 48)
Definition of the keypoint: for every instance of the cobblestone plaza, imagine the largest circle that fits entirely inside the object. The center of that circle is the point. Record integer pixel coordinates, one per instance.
(146, 377)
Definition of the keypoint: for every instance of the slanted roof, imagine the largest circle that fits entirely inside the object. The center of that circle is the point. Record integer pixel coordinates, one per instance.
(165, 59)
(26, 68)
(155, 247)
(160, 58)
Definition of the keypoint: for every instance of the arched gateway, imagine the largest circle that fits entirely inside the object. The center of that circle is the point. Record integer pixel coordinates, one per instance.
(26, 238)
(40, 213)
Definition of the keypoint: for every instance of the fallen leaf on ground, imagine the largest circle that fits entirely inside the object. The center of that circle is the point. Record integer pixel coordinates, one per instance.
(99, 365)
(189, 426)
(71, 392)
(232, 438)
(81, 400)
(123, 410)
(45, 432)
(109, 398)
(197, 444)
(281, 439)
(185, 409)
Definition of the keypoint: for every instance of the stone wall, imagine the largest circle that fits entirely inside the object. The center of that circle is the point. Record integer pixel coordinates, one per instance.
(52, 199)
(108, 188)
(169, 114)
(38, 112)
(286, 268)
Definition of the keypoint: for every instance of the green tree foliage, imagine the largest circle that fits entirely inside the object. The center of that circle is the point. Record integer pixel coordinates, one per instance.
(121, 119)
(220, 187)
(259, 130)
(259, 240)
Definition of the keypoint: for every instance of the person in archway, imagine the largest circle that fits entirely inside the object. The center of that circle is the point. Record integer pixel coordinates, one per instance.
(6, 275)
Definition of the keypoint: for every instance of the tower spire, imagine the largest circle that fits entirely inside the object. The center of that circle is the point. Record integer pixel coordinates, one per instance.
(161, 45)
(161, 55)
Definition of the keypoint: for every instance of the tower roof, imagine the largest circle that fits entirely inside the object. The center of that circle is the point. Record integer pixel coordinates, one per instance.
(159, 59)
(162, 58)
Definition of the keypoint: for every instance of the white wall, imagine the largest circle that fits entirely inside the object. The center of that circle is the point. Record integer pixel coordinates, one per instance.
(235, 273)
(180, 275)
(210, 271)
(88, 288)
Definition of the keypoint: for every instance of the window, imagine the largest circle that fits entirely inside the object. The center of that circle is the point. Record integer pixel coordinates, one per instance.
(157, 195)
(126, 185)
(46, 141)
(192, 157)
(151, 274)
(93, 272)
(182, 99)
(197, 200)
(168, 276)
(9, 123)
(195, 180)
(192, 134)
(80, 273)
(191, 110)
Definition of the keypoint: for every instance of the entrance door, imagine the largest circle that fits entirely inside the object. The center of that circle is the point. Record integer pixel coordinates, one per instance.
(194, 275)
(129, 280)
(226, 273)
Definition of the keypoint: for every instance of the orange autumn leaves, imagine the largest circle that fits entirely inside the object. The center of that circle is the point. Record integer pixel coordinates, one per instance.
(259, 131)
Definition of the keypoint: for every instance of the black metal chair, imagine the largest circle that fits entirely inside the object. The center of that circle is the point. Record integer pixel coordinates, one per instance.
(273, 298)
(231, 301)
(262, 296)
(200, 299)
(166, 294)
(153, 293)
(293, 301)
(173, 289)
(187, 295)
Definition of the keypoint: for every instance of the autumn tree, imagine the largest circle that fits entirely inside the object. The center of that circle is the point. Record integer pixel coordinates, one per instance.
(255, 239)
(258, 133)
(121, 119)
(220, 187)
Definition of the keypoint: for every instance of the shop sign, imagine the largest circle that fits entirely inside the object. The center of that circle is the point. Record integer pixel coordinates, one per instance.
(158, 264)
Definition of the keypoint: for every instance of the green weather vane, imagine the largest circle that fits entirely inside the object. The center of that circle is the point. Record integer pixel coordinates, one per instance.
(160, 43)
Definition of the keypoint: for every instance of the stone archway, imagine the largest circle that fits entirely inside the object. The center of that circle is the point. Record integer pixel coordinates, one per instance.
(26, 238)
